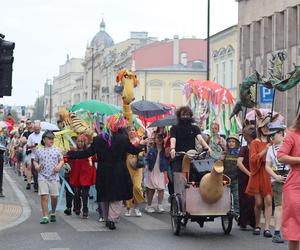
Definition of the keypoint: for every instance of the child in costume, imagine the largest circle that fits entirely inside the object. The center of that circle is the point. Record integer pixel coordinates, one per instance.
(230, 169)
(82, 177)
(278, 171)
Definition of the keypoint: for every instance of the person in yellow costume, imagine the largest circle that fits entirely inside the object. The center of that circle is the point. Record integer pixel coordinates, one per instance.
(135, 169)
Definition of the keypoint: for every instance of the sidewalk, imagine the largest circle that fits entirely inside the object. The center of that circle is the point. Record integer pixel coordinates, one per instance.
(14, 208)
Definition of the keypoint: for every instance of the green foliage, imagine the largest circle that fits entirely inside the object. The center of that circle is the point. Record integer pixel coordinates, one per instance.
(38, 113)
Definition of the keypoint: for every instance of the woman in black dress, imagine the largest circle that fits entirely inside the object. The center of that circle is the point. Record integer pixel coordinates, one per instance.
(113, 182)
(247, 216)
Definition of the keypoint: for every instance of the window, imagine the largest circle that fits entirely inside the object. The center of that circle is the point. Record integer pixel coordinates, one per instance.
(217, 72)
(183, 58)
(223, 73)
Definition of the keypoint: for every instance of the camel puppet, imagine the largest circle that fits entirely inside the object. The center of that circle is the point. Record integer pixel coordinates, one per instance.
(128, 81)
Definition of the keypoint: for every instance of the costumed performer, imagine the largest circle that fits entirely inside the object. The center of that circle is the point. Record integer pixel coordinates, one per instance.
(113, 182)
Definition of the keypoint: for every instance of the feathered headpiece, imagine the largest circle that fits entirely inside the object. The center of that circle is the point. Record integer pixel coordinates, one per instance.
(113, 124)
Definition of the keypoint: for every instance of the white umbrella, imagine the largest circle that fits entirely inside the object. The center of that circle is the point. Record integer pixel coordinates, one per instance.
(48, 126)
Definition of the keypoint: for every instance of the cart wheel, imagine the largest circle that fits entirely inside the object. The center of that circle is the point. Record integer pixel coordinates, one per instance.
(184, 221)
(175, 217)
(227, 223)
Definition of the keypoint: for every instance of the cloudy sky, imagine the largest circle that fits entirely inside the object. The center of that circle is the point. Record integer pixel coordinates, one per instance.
(45, 31)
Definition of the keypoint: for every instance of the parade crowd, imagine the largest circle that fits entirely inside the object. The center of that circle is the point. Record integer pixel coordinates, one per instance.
(263, 163)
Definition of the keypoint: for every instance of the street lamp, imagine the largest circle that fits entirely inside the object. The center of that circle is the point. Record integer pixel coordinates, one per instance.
(208, 47)
(92, 89)
(50, 100)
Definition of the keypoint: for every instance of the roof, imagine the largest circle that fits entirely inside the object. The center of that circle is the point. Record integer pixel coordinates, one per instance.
(160, 54)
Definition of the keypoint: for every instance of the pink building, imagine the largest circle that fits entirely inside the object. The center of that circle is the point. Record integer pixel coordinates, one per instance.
(170, 52)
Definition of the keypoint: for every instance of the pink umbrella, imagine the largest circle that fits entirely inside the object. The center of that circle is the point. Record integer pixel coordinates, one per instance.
(251, 115)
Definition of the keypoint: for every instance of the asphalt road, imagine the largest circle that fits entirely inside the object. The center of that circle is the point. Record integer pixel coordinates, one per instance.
(148, 232)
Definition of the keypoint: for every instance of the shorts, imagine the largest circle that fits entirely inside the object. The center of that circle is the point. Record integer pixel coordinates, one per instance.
(49, 187)
(277, 193)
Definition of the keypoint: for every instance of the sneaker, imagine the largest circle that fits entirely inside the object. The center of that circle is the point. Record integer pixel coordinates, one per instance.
(68, 211)
(28, 186)
(128, 213)
(149, 209)
(101, 219)
(277, 238)
(53, 217)
(160, 208)
(44, 220)
(77, 212)
(2, 195)
(137, 212)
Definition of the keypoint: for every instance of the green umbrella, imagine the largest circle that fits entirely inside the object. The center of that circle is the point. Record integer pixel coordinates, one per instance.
(95, 106)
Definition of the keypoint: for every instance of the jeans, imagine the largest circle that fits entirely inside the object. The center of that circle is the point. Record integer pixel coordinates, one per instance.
(234, 189)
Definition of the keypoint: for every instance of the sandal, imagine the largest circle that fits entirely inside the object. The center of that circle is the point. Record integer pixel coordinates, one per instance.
(256, 231)
(267, 233)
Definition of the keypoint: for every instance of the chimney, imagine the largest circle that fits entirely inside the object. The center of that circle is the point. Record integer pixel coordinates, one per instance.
(176, 50)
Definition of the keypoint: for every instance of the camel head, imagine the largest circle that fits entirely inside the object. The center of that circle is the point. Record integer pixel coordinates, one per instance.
(128, 81)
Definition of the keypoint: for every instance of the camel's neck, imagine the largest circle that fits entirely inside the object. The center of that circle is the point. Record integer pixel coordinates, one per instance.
(127, 112)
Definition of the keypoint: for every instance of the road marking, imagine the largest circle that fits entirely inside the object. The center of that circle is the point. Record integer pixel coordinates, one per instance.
(50, 236)
(81, 225)
(59, 248)
(147, 222)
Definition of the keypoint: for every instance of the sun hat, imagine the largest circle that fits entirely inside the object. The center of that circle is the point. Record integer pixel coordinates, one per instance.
(275, 128)
(233, 136)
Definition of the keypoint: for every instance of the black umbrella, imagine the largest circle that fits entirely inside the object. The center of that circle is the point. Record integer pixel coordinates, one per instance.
(149, 109)
(166, 121)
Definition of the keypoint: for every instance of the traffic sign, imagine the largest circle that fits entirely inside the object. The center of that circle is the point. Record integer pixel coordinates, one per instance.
(266, 95)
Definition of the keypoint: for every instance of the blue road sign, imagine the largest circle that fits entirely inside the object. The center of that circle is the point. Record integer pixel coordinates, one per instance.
(266, 95)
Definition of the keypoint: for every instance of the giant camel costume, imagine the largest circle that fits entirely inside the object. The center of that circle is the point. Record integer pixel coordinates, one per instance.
(128, 80)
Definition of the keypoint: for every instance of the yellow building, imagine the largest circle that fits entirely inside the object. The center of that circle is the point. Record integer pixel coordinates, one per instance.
(224, 59)
(165, 84)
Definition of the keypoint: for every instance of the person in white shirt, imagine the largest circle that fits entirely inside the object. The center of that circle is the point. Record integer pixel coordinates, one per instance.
(278, 171)
(33, 141)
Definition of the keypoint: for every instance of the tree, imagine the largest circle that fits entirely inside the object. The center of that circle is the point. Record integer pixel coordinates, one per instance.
(15, 115)
(38, 113)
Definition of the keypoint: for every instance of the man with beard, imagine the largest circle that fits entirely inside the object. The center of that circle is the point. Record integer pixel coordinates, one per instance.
(183, 136)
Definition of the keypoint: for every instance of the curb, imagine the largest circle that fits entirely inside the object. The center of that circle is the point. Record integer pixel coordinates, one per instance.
(26, 211)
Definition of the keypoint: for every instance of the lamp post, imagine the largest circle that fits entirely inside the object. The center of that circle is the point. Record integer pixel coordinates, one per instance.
(92, 89)
(208, 40)
(50, 102)
(38, 105)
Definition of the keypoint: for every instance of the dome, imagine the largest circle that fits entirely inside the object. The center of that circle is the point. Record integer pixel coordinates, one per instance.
(102, 39)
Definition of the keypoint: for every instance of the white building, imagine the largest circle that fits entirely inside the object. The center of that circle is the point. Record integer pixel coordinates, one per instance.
(103, 60)
(67, 87)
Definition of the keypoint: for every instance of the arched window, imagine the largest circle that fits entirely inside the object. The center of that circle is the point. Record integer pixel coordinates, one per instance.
(177, 97)
(155, 90)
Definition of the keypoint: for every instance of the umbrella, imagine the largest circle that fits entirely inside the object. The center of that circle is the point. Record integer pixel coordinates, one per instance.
(148, 108)
(166, 121)
(210, 91)
(250, 116)
(95, 106)
(49, 126)
(3, 124)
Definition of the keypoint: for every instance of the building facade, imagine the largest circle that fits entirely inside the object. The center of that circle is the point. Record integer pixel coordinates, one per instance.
(103, 59)
(266, 27)
(67, 87)
(224, 59)
(163, 68)
(166, 84)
